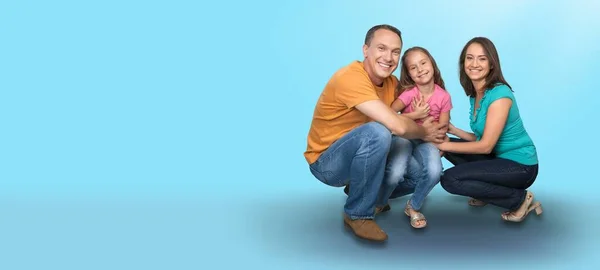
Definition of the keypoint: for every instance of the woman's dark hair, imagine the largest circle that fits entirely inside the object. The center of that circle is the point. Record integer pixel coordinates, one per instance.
(493, 78)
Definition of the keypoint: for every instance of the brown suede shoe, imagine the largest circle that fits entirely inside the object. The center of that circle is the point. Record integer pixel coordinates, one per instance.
(378, 210)
(385, 208)
(366, 229)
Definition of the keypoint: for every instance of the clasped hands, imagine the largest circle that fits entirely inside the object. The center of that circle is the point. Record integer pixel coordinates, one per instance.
(436, 133)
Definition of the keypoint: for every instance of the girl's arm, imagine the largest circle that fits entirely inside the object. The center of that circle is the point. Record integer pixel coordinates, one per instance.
(398, 105)
(420, 109)
(494, 124)
(445, 119)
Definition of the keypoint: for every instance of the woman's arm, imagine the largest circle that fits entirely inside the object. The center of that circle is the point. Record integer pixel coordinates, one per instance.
(467, 136)
(494, 124)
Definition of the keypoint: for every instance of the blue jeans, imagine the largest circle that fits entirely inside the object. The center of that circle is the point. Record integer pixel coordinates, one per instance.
(357, 159)
(493, 180)
(414, 166)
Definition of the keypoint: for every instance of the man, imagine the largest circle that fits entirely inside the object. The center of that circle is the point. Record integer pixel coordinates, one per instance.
(352, 127)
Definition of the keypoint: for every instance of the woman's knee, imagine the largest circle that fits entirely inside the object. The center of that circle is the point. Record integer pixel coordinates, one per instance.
(448, 181)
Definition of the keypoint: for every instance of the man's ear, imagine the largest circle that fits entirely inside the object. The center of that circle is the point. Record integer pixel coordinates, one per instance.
(365, 48)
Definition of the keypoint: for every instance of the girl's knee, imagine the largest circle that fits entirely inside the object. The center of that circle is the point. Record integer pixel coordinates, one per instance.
(402, 142)
(393, 178)
(434, 173)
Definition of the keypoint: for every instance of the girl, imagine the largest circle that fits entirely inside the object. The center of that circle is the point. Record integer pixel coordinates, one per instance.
(421, 94)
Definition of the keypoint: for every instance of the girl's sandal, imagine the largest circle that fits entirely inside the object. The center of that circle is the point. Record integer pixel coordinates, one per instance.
(415, 217)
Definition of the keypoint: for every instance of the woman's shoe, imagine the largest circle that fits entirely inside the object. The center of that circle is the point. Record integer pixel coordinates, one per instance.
(529, 204)
(476, 202)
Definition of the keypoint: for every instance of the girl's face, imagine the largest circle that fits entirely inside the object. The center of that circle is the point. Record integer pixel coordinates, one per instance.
(419, 67)
(477, 64)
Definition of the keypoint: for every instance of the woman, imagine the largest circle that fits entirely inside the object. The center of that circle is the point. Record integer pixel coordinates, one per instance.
(498, 161)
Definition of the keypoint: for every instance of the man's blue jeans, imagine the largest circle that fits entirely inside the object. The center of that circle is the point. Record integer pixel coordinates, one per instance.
(414, 166)
(357, 159)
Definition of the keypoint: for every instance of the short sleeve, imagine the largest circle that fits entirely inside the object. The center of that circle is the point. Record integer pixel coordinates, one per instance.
(353, 88)
(446, 103)
(498, 92)
(406, 97)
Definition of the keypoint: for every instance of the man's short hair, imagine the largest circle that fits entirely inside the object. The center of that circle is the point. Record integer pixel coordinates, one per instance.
(373, 29)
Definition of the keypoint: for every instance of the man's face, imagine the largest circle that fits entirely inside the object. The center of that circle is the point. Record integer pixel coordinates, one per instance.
(382, 55)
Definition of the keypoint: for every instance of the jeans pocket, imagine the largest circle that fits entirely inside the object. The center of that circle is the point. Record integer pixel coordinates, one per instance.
(533, 172)
(327, 177)
(316, 173)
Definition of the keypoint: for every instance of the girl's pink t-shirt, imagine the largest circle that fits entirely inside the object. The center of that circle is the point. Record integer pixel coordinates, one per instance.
(439, 101)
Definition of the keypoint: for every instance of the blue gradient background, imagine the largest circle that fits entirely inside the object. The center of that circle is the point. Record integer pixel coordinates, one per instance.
(169, 134)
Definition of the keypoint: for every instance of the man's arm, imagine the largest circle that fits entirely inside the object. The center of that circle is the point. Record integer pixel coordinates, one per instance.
(400, 125)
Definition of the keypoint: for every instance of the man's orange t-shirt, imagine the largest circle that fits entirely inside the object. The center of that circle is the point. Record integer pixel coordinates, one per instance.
(335, 113)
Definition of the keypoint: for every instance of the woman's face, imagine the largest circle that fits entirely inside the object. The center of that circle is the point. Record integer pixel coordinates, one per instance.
(477, 65)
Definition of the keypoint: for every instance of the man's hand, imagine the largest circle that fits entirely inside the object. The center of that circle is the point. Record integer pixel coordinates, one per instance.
(434, 132)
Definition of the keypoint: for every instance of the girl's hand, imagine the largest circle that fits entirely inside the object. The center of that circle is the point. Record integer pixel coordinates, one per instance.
(420, 107)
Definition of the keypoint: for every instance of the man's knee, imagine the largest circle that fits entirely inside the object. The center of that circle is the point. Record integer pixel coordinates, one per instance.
(379, 133)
